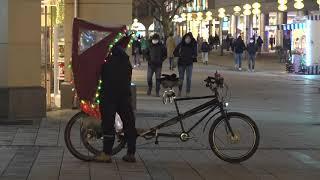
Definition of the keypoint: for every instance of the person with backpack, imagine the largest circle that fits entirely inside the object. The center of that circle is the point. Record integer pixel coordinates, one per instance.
(252, 49)
(205, 48)
(156, 54)
(186, 51)
(239, 47)
(259, 44)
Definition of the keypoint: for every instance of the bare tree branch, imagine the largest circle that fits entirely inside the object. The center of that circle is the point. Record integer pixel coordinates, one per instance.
(180, 4)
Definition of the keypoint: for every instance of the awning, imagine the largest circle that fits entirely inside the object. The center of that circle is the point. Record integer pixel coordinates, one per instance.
(289, 27)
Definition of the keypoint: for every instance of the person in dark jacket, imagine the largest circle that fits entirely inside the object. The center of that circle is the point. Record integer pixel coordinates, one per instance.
(116, 98)
(239, 47)
(259, 43)
(187, 53)
(252, 49)
(211, 41)
(271, 41)
(136, 52)
(205, 48)
(156, 54)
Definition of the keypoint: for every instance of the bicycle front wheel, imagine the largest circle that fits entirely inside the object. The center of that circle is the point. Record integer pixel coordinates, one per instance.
(84, 139)
(237, 147)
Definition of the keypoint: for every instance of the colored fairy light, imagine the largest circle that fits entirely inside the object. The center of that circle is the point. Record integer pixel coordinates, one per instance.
(83, 102)
(69, 66)
(97, 95)
(99, 87)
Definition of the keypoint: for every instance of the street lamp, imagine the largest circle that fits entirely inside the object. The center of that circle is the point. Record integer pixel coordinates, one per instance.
(298, 4)
(221, 13)
(183, 16)
(209, 15)
(256, 9)
(237, 10)
(247, 9)
(282, 5)
(199, 16)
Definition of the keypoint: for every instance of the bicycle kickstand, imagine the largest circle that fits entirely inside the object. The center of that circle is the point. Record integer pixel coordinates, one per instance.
(156, 142)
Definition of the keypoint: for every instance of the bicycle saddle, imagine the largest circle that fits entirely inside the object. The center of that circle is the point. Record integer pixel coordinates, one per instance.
(172, 77)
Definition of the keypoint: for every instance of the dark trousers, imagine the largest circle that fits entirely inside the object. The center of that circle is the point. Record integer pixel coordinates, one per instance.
(188, 70)
(157, 71)
(171, 62)
(125, 111)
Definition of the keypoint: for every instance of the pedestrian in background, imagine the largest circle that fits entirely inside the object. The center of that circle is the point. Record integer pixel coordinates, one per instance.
(211, 41)
(144, 47)
(205, 48)
(252, 49)
(239, 47)
(171, 45)
(187, 53)
(259, 44)
(136, 51)
(271, 41)
(156, 54)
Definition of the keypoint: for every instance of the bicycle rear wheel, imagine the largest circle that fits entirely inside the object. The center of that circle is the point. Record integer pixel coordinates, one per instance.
(237, 148)
(84, 139)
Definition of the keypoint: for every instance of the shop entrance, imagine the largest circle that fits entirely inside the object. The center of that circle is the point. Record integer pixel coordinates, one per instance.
(52, 50)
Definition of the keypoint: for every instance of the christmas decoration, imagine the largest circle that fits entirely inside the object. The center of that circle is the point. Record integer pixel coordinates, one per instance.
(86, 65)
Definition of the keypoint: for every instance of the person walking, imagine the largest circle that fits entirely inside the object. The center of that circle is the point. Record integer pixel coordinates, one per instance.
(252, 49)
(216, 41)
(116, 98)
(271, 41)
(144, 47)
(187, 53)
(239, 47)
(156, 54)
(211, 41)
(205, 48)
(228, 42)
(171, 45)
(136, 52)
(259, 44)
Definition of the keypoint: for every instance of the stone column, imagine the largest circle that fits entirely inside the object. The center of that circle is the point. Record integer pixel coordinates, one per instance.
(21, 94)
(265, 35)
(262, 29)
(279, 38)
(233, 25)
(312, 42)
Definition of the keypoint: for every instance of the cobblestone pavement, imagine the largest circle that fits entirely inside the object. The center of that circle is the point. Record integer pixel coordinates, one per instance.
(285, 107)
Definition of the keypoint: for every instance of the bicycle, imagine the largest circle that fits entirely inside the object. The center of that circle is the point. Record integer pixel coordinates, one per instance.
(227, 125)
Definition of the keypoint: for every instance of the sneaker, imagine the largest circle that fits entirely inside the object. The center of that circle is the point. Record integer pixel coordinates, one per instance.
(240, 69)
(129, 158)
(252, 70)
(103, 157)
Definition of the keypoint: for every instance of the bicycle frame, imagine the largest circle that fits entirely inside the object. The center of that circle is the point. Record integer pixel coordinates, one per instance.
(213, 104)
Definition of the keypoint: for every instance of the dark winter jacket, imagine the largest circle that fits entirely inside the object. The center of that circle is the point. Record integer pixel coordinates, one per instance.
(136, 47)
(205, 47)
(116, 77)
(187, 53)
(156, 54)
(259, 42)
(252, 48)
(239, 46)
